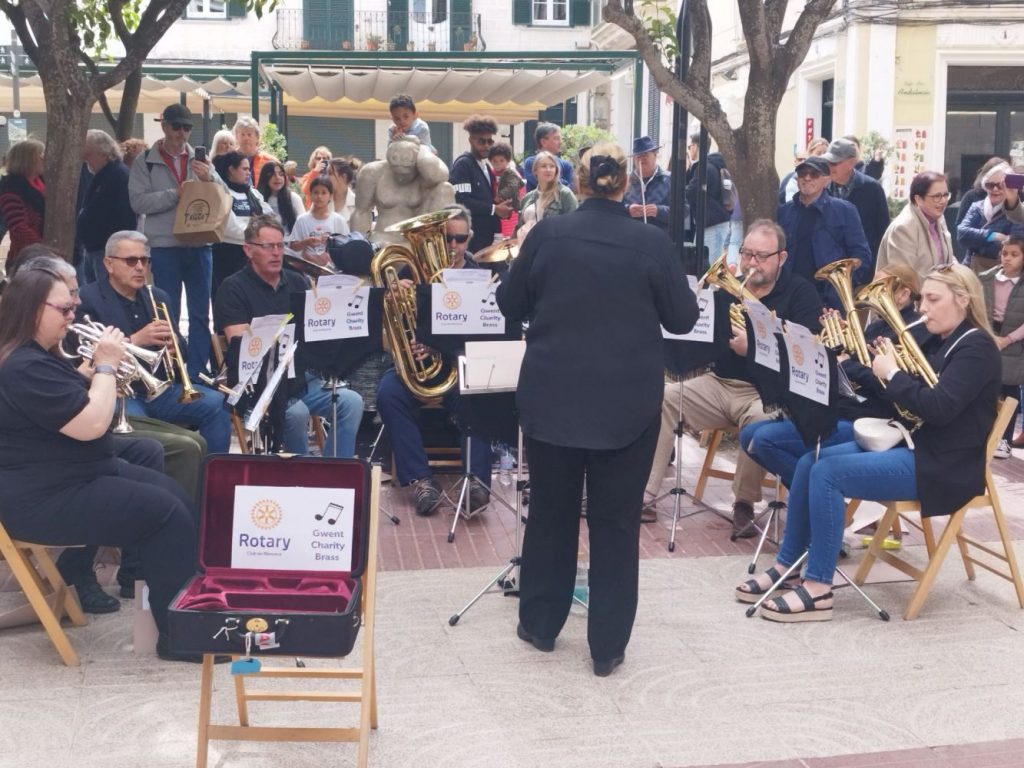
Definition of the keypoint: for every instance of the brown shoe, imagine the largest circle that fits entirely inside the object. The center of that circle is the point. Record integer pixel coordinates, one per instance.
(1018, 441)
(743, 521)
(649, 514)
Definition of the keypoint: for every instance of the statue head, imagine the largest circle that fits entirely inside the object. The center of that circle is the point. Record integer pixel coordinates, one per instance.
(401, 157)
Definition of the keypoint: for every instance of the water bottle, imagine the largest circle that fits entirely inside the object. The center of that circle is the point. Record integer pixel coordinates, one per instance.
(505, 466)
(581, 591)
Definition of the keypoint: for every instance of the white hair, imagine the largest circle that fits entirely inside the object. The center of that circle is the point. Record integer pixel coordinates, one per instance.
(117, 238)
(103, 142)
(218, 137)
(51, 264)
(246, 122)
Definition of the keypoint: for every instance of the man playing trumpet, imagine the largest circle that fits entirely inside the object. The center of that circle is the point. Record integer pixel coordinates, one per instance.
(725, 397)
(122, 299)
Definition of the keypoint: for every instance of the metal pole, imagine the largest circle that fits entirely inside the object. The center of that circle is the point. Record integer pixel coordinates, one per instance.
(206, 122)
(15, 80)
(680, 117)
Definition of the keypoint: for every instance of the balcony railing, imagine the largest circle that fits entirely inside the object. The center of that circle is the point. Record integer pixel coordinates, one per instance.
(378, 30)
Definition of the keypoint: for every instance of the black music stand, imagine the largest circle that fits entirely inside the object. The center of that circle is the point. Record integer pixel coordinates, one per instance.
(507, 577)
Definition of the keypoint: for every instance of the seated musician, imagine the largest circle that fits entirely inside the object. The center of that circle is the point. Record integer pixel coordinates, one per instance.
(122, 299)
(726, 398)
(945, 469)
(263, 288)
(398, 407)
(157, 445)
(62, 483)
(777, 446)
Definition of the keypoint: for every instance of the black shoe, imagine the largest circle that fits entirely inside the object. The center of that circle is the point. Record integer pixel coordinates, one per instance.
(127, 590)
(428, 496)
(479, 496)
(605, 668)
(94, 600)
(540, 643)
(743, 521)
(166, 654)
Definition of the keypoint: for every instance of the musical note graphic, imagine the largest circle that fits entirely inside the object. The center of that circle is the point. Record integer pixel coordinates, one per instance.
(332, 512)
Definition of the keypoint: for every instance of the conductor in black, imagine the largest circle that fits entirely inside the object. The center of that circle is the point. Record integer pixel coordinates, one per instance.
(597, 287)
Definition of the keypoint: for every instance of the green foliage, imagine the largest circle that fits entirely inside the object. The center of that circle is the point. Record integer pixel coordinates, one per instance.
(576, 136)
(95, 26)
(274, 142)
(895, 206)
(872, 141)
(661, 26)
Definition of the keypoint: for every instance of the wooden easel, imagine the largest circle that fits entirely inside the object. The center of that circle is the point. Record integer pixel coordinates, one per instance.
(366, 697)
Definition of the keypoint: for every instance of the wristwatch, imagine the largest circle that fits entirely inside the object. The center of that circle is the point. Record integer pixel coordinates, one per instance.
(105, 368)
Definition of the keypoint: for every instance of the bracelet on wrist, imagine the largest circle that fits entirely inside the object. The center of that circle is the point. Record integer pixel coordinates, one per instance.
(105, 368)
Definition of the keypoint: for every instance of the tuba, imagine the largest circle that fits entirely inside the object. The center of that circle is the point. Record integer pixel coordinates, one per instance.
(425, 256)
(878, 297)
(848, 334)
(718, 275)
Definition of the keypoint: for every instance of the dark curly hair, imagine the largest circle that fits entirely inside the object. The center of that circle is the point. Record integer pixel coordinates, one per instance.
(480, 124)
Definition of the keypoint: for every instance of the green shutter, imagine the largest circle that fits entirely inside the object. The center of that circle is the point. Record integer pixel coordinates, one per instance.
(579, 13)
(327, 23)
(236, 9)
(398, 23)
(522, 12)
(461, 23)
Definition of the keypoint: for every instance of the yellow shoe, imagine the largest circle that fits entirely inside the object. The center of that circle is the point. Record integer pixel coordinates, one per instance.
(889, 543)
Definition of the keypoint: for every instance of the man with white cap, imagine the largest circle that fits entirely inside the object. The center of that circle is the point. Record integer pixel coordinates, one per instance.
(647, 196)
(866, 194)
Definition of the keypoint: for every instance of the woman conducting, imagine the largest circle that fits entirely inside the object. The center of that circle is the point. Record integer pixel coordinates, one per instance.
(62, 484)
(946, 469)
(597, 287)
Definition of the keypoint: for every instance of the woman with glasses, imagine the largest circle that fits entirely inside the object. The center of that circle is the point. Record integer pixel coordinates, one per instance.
(918, 236)
(985, 227)
(944, 471)
(62, 483)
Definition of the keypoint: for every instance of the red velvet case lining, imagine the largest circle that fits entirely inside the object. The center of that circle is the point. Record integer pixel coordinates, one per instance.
(223, 588)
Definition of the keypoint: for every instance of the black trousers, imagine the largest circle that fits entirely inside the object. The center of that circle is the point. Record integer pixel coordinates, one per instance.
(615, 493)
(136, 507)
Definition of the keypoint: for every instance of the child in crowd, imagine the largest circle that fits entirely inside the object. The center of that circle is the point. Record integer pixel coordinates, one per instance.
(406, 122)
(1004, 298)
(510, 184)
(313, 229)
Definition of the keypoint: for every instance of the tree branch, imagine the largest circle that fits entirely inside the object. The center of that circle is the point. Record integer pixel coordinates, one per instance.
(795, 50)
(700, 66)
(755, 32)
(775, 14)
(16, 14)
(153, 24)
(94, 70)
(116, 10)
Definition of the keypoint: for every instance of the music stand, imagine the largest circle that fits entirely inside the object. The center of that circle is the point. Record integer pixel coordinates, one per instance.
(496, 363)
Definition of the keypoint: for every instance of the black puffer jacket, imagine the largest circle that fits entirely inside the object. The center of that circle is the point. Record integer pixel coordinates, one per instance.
(714, 213)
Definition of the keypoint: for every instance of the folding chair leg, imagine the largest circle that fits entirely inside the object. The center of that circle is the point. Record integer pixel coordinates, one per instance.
(709, 460)
(1011, 558)
(929, 535)
(934, 564)
(70, 603)
(876, 545)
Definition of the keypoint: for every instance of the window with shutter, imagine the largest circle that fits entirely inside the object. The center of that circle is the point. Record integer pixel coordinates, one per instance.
(209, 9)
(326, 24)
(398, 24)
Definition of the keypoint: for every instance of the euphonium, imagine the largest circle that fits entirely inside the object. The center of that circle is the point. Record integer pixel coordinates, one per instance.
(878, 296)
(836, 333)
(424, 258)
(718, 274)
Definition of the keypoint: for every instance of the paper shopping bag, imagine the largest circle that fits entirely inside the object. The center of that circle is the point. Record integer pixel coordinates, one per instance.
(202, 213)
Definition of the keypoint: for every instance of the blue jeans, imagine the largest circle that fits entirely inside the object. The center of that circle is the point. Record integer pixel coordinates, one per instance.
(193, 268)
(841, 471)
(398, 407)
(777, 446)
(317, 401)
(206, 414)
(716, 239)
(735, 241)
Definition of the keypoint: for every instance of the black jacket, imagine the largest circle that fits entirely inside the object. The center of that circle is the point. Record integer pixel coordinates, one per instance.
(103, 304)
(106, 208)
(714, 212)
(474, 189)
(868, 197)
(950, 455)
(597, 287)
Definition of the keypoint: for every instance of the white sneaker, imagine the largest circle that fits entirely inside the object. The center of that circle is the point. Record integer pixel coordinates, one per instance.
(1002, 450)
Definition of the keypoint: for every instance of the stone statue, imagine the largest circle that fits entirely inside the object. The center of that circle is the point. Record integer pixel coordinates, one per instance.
(410, 181)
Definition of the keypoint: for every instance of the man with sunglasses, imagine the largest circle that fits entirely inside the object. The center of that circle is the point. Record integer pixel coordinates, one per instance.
(398, 408)
(726, 397)
(120, 298)
(154, 186)
(476, 185)
(858, 189)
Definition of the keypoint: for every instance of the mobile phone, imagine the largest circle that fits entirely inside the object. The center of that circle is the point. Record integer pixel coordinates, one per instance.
(201, 154)
(323, 166)
(1014, 180)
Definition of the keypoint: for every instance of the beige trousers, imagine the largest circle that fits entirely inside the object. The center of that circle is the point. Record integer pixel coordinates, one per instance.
(710, 402)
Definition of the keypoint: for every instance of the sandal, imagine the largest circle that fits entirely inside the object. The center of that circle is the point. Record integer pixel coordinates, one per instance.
(778, 609)
(753, 590)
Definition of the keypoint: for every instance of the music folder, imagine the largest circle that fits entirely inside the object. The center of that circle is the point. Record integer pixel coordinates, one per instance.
(491, 366)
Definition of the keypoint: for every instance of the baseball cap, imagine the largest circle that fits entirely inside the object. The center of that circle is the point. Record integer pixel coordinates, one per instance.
(814, 163)
(176, 113)
(839, 150)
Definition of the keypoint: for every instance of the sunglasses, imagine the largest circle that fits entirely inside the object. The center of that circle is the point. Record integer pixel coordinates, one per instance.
(941, 268)
(479, 140)
(460, 239)
(65, 309)
(994, 185)
(132, 261)
(181, 126)
(760, 258)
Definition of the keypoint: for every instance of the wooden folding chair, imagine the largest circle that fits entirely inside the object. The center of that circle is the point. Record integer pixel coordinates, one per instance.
(366, 676)
(47, 594)
(219, 346)
(713, 437)
(937, 550)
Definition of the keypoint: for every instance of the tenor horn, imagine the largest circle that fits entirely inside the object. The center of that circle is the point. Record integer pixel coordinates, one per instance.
(718, 275)
(422, 261)
(879, 297)
(848, 334)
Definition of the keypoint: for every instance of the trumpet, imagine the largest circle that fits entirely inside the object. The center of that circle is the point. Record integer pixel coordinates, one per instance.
(175, 362)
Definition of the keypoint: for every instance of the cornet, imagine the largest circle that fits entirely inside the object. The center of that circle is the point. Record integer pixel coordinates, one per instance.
(137, 365)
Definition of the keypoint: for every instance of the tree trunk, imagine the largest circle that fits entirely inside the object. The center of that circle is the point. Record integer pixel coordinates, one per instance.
(64, 141)
(129, 105)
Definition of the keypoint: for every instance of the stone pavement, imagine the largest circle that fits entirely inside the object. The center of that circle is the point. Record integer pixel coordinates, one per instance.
(702, 684)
